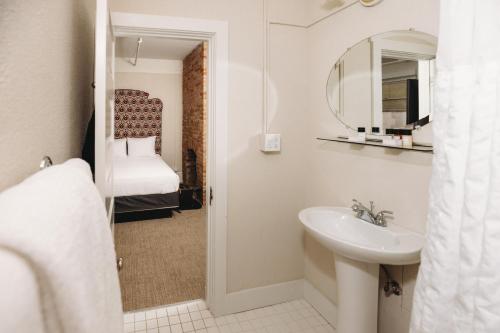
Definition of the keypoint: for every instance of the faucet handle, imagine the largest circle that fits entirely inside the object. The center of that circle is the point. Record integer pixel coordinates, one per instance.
(380, 218)
(355, 206)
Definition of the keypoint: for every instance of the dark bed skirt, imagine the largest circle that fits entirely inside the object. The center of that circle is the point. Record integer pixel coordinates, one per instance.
(144, 207)
(143, 215)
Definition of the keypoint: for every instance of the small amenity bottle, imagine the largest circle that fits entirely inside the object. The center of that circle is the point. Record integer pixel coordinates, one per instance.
(388, 138)
(361, 134)
(407, 138)
(397, 138)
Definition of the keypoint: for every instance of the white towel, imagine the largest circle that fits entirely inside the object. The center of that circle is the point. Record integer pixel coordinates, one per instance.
(20, 308)
(57, 222)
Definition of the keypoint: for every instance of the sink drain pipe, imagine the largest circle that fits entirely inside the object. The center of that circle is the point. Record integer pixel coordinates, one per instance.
(391, 286)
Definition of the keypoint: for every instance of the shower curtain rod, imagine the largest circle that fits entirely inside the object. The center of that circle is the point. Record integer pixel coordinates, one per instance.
(139, 42)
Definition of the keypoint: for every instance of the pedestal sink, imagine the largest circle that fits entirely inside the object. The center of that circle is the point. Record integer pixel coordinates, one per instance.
(360, 247)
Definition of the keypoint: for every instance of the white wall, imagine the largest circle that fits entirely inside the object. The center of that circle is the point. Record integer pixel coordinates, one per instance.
(264, 191)
(161, 79)
(338, 172)
(46, 70)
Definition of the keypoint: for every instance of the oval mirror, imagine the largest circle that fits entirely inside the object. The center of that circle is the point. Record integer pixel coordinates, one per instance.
(385, 82)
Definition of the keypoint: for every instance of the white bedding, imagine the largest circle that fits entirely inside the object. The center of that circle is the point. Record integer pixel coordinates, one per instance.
(143, 175)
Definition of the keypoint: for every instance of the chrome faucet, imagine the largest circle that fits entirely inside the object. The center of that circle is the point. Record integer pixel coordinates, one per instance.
(368, 214)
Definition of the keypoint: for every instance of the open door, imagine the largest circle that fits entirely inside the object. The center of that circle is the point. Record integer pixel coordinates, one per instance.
(104, 105)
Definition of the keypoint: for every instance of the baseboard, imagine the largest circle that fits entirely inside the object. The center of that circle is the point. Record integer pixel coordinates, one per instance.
(254, 298)
(321, 303)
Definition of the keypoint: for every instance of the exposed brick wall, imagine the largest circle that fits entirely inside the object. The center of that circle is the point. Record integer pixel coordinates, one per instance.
(194, 117)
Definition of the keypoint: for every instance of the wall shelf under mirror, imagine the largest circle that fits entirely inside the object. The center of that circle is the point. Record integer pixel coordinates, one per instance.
(369, 142)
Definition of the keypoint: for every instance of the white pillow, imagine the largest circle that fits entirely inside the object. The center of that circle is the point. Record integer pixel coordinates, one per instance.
(120, 148)
(141, 146)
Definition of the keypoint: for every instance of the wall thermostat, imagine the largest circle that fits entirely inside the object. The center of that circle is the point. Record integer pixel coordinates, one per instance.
(271, 142)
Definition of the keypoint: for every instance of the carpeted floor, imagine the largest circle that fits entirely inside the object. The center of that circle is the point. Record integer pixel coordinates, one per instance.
(164, 260)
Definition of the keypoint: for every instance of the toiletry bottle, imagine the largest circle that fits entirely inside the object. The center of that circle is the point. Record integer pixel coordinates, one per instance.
(374, 135)
(361, 134)
(388, 139)
(397, 138)
(407, 138)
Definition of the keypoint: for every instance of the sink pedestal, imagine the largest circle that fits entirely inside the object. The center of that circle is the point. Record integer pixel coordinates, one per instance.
(357, 295)
(341, 231)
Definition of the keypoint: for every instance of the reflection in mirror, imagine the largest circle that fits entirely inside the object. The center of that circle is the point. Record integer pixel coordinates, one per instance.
(406, 92)
(385, 82)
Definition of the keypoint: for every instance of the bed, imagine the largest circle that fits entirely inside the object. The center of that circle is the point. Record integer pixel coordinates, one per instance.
(144, 185)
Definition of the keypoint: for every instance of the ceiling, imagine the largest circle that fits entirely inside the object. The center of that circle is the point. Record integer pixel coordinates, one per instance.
(155, 48)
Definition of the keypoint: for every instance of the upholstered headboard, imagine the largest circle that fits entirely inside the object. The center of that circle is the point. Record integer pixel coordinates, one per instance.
(137, 116)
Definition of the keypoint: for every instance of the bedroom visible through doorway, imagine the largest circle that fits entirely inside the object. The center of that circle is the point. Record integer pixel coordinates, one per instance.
(160, 156)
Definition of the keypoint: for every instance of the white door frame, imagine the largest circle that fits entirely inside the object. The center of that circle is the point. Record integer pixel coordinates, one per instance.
(104, 105)
(215, 33)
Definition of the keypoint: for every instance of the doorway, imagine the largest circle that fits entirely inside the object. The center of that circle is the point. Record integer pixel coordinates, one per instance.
(160, 93)
(214, 189)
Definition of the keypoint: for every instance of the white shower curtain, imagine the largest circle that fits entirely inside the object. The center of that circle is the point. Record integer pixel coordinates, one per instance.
(458, 287)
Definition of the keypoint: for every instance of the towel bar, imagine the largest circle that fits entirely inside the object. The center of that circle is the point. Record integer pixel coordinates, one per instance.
(119, 263)
(45, 163)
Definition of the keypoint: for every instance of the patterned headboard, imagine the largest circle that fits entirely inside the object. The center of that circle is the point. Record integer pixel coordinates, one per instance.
(137, 116)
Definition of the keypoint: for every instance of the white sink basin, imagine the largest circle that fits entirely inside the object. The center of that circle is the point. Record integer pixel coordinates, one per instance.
(338, 229)
(359, 248)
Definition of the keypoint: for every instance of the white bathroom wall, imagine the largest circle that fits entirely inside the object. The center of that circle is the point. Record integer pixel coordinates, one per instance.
(395, 180)
(319, 9)
(46, 71)
(264, 190)
(293, 12)
(161, 79)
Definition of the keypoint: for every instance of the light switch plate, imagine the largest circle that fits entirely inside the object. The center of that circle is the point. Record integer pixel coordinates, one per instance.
(271, 142)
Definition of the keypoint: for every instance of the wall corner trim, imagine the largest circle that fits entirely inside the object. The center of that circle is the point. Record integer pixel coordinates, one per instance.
(321, 303)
